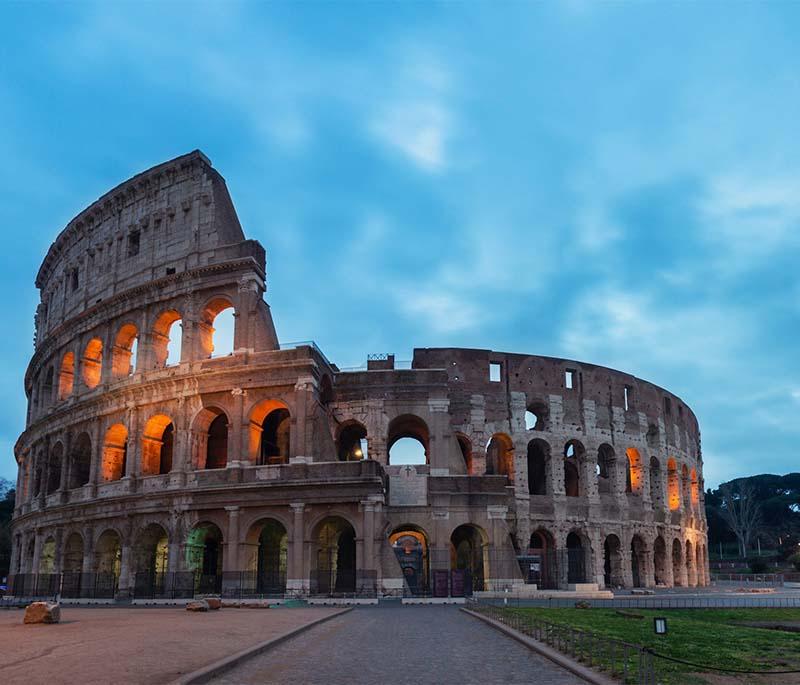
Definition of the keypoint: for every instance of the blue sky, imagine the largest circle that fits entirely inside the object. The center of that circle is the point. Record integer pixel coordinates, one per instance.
(613, 182)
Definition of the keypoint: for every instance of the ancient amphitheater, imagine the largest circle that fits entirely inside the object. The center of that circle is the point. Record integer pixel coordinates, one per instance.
(152, 464)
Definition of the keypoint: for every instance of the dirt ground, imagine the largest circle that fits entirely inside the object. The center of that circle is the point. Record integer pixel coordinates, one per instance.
(133, 645)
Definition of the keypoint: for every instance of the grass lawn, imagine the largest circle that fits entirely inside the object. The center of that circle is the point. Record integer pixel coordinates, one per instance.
(702, 636)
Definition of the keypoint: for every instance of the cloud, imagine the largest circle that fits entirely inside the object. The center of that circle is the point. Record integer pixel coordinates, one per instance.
(441, 312)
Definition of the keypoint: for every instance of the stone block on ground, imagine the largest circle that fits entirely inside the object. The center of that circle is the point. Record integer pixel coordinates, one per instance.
(42, 612)
(197, 605)
(214, 603)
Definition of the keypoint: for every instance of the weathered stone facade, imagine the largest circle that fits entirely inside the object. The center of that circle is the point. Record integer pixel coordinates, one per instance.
(254, 461)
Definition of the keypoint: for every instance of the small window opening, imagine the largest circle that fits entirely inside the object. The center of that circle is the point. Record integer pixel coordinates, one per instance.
(494, 372)
(74, 280)
(133, 243)
(175, 336)
(530, 421)
(628, 391)
(667, 406)
(170, 270)
(569, 378)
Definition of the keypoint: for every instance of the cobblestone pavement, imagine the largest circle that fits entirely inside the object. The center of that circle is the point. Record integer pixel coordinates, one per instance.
(388, 645)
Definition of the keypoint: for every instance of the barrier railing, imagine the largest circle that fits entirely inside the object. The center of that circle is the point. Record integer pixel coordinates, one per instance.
(630, 662)
(772, 579)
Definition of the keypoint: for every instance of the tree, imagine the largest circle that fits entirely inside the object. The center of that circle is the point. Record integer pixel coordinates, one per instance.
(741, 511)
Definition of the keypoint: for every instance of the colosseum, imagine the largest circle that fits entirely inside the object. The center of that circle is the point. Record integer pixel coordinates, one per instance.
(154, 462)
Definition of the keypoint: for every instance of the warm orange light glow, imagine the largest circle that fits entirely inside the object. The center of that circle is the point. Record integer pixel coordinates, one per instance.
(92, 362)
(257, 416)
(161, 333)
(635, 469)
(206, 324)
(673, 485)
(153, 444)
(695, 489)
(121, 354)
(115, 450)
(66, 377)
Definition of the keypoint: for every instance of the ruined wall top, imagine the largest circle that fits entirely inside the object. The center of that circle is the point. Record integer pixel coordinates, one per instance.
(171, 218)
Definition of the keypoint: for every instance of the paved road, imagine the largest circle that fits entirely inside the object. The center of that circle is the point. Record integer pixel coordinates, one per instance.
(399, 645)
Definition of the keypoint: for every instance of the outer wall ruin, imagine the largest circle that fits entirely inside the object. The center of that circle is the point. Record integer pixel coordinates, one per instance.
(145, 456)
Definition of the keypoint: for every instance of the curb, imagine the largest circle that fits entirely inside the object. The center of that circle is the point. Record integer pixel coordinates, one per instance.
(586, 674)
(205, 674)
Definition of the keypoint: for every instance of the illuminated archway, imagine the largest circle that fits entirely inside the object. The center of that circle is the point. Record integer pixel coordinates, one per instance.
(408, 440)
(92, 363)
(270, 433)
(500, 456)
(115, 452)
(66, 376)
(216, 328)
(123, 356)
(267, 541)
(410, 545)
(158, 445)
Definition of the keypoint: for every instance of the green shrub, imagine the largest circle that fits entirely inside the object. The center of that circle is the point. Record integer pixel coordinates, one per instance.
(794, 560)
(758, 566)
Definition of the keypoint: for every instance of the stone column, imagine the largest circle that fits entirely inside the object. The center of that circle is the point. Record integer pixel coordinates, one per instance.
(125, 570)
(133, 466)
(235, 428)
(58, 556)
(231, 558)
(368, 524)
(303, 399)
(297, 577)
(37, 551)
(174, 559)
(66, 465)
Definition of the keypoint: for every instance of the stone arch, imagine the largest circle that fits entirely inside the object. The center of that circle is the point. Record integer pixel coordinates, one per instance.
(92, 363)
(333, 556)
(469, 552)
(66, 376)
(204, 551)
(167, 332)
(413, 429)
(574, 454)
(542, 545)
(411, 546)
(695, 490)
(47, 556)
(660, 561)
(691, 575)
(208, 316)
(108, 553)
(578, 557)
(351, 441)
(151, 550)
(270, 432)
(115, 452)
(537, 416)
(606, 465)
(639, 558)
(47, 387)
(538, 467)
(267, 550)
(72, 558)
(500, 456)
(465, 447)
(634, 477)
(677, 563)
(123, 355)
(613, 567)
(80, 461)
(158, 442)
(210, 438)
(55, 463)
(673, 484)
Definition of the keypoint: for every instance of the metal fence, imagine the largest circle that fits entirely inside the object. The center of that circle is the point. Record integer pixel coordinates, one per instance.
(764, 579)
(655, 602)
(629, 662)
(344, 583)
(88, 585)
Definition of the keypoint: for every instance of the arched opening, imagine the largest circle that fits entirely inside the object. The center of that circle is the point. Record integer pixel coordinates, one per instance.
(123, 356)
(92, 363)
(352, 442)
(151, 553)
(335, 557)
(613, 575)
(695, 490)
(691, 576)
(673, 485)
(47, 557)
(576, 559)
(633, 479)
(47, 388)
(536, 416)
(573, 456)
(167, 339)
(543, 553)
(157, 445)
(639, 561)
(115, 452)
(656, 492)
(408, 440)
(325, 390)
(500, 456)
(108, 557)
(606, 463)
(72, 561)
(270, 430)
(410, 545)
(465, 447)
(54, 466)
(268, 542)
(210, 439)
(80, 469)
(216, 328)
(538, 458)
(660, 561)
(469, 553)
(677, 563)
(66, 376)
(204, 556)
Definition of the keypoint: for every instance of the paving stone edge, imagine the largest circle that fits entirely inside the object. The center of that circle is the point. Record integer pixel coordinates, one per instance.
(205, 674)
(587, 674)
